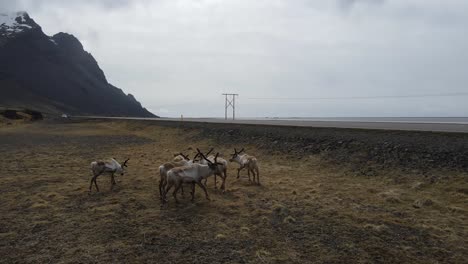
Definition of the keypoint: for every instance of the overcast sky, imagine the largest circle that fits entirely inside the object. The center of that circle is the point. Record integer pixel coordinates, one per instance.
(177, 56)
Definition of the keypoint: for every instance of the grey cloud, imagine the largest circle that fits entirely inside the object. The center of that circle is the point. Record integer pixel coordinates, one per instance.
(172, 55)
(347, 5)
(8, 6)
(14, 5)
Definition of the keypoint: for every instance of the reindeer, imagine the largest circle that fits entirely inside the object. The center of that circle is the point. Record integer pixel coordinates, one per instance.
(222, 169)
(106, 167)
(246, 161)
(192, 174)
(179, 160)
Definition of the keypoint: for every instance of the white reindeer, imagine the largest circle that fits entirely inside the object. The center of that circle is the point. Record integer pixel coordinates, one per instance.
(222, 168)
(246, 161)
(192, 174)
(179, 160)
(106, 167)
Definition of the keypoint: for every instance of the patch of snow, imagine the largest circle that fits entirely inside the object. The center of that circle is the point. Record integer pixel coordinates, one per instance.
(21, 18)
(9, 22)
(53, 41)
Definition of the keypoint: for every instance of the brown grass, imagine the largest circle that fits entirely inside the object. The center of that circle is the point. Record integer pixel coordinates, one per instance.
(306, 211)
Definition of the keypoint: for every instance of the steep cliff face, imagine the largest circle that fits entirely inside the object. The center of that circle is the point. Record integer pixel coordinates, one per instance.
(55, 73)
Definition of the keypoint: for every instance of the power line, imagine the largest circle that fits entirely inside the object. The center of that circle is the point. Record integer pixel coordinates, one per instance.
(361, 97)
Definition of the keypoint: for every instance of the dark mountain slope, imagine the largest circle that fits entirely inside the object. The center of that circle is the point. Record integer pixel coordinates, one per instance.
(55, 73)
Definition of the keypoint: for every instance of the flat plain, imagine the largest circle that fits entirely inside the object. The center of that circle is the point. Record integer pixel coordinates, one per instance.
(310, 208)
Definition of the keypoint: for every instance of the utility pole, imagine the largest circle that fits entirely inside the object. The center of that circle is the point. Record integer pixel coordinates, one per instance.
(230, 101)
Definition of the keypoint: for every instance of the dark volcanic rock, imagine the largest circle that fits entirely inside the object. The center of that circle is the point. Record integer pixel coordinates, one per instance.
(55, 74)
(367, 151)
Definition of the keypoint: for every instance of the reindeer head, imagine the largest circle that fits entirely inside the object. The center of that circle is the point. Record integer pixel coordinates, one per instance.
(181, 156)
(122, 167)
(213, 165)
(198, 154)
(235, 156)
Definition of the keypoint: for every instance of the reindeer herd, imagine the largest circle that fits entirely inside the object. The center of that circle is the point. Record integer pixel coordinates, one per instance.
(184, 171)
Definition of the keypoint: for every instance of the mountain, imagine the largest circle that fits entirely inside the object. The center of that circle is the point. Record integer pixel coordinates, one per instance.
(55, 74)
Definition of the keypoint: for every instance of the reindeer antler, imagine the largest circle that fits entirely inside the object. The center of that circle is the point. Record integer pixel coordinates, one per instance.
(203, 156)
(125, 163)
(237, 152)
(209, 151)
(185, 156)
(196, 156)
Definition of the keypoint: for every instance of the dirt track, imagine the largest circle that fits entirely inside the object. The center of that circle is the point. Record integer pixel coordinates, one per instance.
(309, 210)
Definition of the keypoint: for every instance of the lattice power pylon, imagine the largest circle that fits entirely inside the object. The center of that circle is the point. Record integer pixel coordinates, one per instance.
(230, 101)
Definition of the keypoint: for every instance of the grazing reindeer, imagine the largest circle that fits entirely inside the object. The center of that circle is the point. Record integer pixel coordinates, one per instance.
(106, 167)
(180, 160)
(246, 161)
(222, 169)
(193, 174)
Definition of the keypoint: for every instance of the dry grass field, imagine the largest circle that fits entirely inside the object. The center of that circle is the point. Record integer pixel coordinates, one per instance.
(307, 210)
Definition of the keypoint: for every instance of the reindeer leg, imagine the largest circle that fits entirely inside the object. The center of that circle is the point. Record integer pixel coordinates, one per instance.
(91, 183)
(112, 181)
(253, 173)
(164, 184)
(223, 185)
(248, 173)
(258, 176)
(174, 193)
(206, 182)
(168, 188)
(95, 183)
(193, 192)
(216, 183)
(160, 189)
(93, 179)
(182, 187)
(238, 171)
(204, 189)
